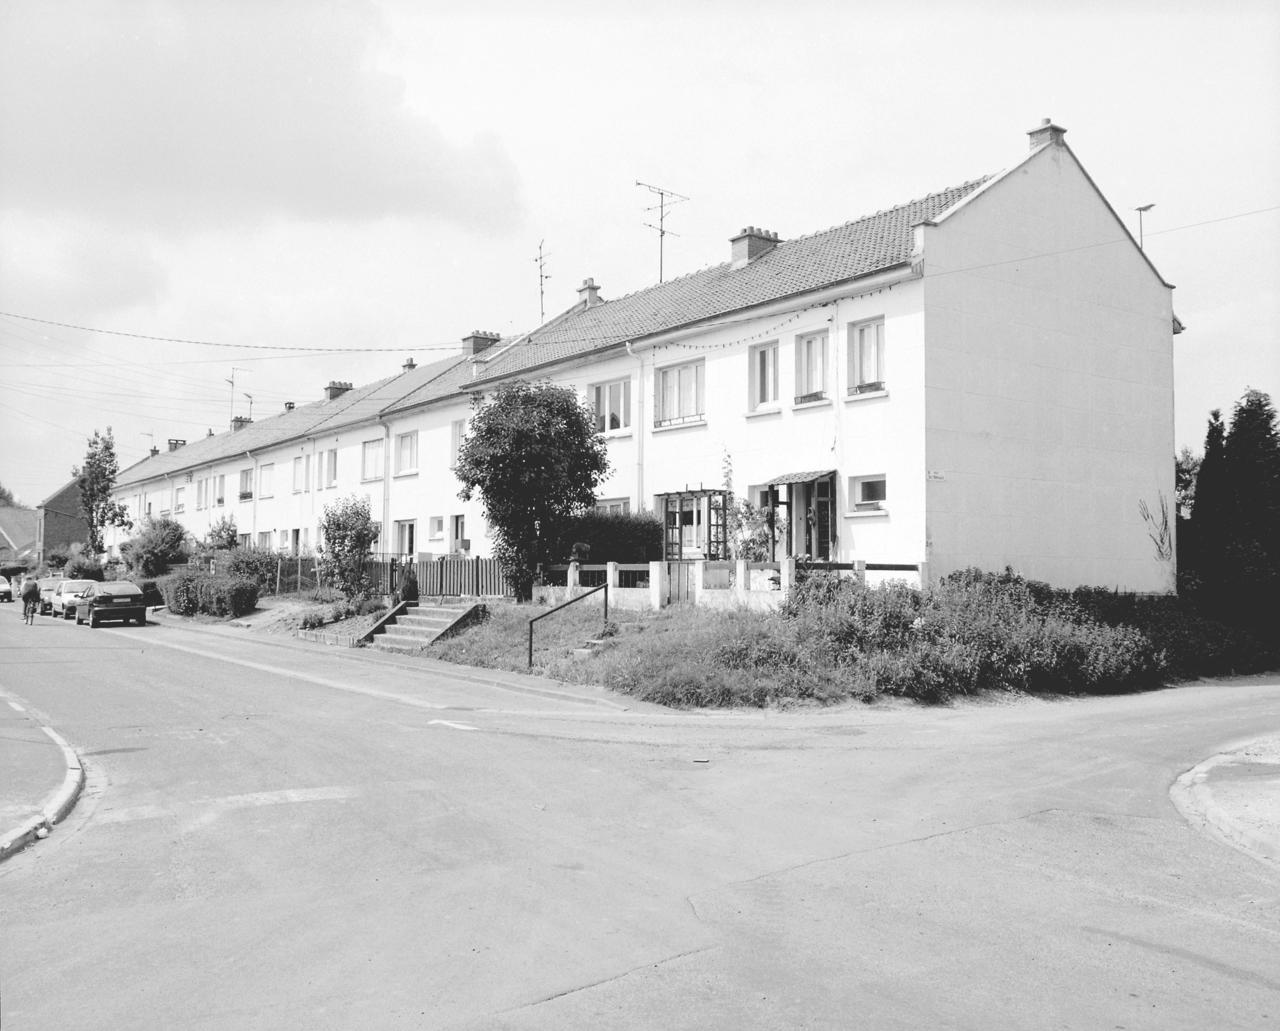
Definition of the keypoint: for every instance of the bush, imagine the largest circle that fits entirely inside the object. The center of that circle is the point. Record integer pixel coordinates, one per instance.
(161, 544)
(83, 567)
(256, 564)
(186, 594)
(612, 538)
(349, 532)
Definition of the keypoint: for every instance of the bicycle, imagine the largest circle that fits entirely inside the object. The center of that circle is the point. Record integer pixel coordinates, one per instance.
(29, 608)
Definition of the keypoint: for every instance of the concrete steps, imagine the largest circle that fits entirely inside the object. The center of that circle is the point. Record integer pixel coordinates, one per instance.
(416, 627)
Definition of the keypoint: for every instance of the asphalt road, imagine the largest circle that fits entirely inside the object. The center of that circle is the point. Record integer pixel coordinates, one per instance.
(275, 837)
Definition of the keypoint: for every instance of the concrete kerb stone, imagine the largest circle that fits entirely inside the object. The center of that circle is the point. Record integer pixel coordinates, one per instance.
(1193, 796)
(54, 808)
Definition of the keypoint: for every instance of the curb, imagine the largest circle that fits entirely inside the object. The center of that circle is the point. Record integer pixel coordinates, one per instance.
(1192, 797)
(55, 807)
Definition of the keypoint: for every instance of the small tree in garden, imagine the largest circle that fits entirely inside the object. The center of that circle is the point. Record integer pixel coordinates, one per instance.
(97, 479)
(222, 535)
(534, 456)
(349, 532)
(161, 543)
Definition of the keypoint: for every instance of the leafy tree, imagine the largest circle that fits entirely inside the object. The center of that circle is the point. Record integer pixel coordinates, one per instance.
(161, 544)
(222, 535)
(349, 532)
(1186, 469)
(6, 497)
(533, 455)
(97, 479)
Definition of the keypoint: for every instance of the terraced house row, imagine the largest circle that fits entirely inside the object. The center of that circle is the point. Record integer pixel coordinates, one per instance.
(981, 377)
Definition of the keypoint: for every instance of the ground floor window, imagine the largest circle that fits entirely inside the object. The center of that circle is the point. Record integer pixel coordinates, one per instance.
(614, 506)
(406, 531)
(868, 493)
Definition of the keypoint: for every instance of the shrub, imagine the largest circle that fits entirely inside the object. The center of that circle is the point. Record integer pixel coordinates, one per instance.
(161, 544)
(83, 567)
(256, 564)
(349, 532)
(612, 538)
(179, 593)
(186, 594)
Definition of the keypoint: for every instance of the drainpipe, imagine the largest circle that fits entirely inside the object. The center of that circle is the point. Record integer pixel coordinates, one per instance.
(640, 431)
(386, 485)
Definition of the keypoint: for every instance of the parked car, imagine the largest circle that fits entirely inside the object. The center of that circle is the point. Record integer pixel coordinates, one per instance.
(6, 589)
(48, 585)
(67, 595)
(111, 599)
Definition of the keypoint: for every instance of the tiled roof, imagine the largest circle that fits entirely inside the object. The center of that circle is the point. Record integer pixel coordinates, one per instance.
(17, 527)
(361, 404)
(845, 252)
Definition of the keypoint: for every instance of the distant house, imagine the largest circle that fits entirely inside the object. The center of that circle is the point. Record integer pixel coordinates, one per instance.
(60, 521)
(18, 536)
(980, 377)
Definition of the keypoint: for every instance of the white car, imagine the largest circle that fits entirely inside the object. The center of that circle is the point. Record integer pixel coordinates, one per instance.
(66, 596)
(6, 589)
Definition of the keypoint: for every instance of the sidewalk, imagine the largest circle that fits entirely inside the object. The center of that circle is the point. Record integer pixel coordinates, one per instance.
(1235, 797)
(40, 778)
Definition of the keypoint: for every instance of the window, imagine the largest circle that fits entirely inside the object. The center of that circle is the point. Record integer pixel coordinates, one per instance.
(246, 484)
(680, 394)
(613, 405)
(179, 499)
(284, 540)
(244, 540)
(460, 542)
(266, 480)
(264, 540)
(614, 506)
(867, 493)
(407, 453)
(202, 494)
(371, 460)
(219, 490)
(298, 481)
(435, 528)
(331, 467)
(866, 357)
(811, 367)
(457, 430)
(406, 533)
(764, 375)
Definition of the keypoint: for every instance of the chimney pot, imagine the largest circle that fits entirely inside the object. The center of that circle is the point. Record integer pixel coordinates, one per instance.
(174, 444)
(479, 340)
(409, 364)
(1046, 132)
(240, 422)
(750, 244)
(335, 389)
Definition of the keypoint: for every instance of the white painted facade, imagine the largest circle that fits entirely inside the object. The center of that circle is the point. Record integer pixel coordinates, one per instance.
(1013, 407)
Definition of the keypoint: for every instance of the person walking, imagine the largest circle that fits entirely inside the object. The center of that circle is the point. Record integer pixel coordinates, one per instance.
(30, 600)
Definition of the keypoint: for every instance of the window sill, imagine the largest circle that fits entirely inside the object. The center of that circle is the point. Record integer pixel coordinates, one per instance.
(371, 479)
(616, 434)
(870, 513)
(824, 402)
(866, 396)
(406, 475)
(763, 412)
(668, 427)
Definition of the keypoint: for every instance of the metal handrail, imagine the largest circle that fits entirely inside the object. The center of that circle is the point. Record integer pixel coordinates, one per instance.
(565, 605)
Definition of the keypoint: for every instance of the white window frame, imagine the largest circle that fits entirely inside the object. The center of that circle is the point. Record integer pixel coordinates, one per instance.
(370, 457)
(612, 403)
(179, 500)
(264, 540)
(869, 493)
(763, 376)
(407, 453)
(299, 482)
(406, 528)
(202, 492)
(267, 480)
(457, 430)
(331, 468)
(811, 366)
(613, 506)
(220, 490)
(246, 484)
(435, 528)
(866, 356)
(680, 394)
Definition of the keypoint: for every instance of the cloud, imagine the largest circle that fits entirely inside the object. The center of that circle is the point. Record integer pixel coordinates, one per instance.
(176, 117)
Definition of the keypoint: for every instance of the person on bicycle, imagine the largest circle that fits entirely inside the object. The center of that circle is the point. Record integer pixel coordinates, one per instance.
(30, 600)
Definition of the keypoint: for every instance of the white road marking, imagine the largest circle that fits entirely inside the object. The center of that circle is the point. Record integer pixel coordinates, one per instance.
(16, 707)
(450, 723)
(215, 806)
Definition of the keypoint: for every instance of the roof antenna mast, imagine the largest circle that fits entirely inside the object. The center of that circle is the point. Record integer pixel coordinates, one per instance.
(666, 199)
(543, 276)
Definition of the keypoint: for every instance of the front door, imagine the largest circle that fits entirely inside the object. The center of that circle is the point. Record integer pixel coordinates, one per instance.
(819, 518)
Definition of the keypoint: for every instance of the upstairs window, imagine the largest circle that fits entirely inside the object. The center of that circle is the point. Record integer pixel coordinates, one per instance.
(613, 506)
(811, 367)
(246, 484)
(266, 480)
(407, 453)
(299, 475)
(331, 467)
(680, 390)
(371, 460)
(763, 375)
(179, 500)
(457, 430)
(612, 405)
(219, 490)
(866, 357)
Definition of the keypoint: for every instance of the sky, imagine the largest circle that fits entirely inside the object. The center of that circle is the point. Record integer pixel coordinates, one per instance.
(287, 193)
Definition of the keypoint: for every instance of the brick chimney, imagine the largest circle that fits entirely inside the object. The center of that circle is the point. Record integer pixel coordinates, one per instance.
(335, 389)
(409, 365)
(479, 340)
(1046, 132)
(239, 422)
(750, 244)
(589, 293)
(154, 451)
(174, 444)
(289, 406)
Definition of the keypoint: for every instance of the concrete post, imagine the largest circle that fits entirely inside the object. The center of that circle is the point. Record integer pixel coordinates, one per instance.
(657, 585)
(611, 574)
(697, 579)
(788, 575)
(571, 581)
(860, 570)
(742, 579)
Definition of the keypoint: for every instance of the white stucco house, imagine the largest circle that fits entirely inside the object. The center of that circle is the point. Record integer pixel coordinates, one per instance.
(981, 377)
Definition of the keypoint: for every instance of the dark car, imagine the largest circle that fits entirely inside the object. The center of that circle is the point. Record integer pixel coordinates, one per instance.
(114, 599)
(48, 585)
(6, 589)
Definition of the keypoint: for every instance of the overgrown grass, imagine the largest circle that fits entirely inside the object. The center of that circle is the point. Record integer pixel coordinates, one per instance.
(836, 640)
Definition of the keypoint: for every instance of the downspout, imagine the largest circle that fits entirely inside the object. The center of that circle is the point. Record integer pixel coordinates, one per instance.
(386, 485)
(640, 431)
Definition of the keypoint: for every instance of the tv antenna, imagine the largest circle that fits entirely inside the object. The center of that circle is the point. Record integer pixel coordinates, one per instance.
(250, 397)
(666, 199)
(543, 276)
(232, 381)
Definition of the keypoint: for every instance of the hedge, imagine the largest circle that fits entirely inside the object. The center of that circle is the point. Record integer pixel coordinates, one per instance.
(185, 594)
